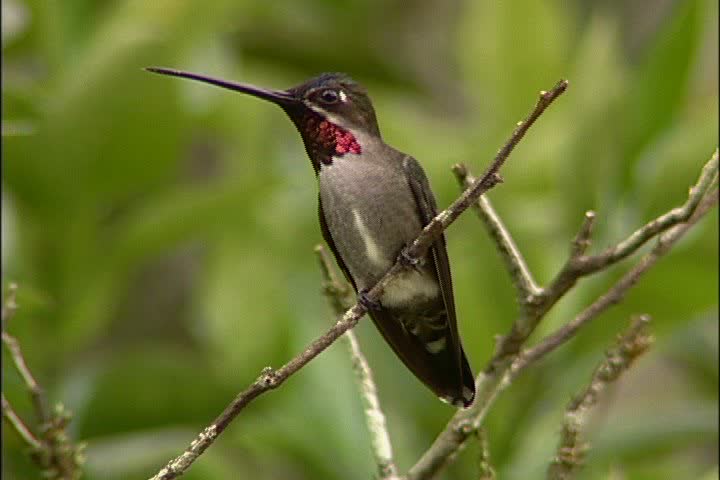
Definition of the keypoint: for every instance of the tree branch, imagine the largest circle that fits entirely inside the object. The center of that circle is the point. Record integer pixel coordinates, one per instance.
(580, 265)
(36, 392)
(508, 361)
(51, 449)
(462, 425)
(617, 292)
(9, 306)
(18, 359)
(486, 471)
(571, 451)
(519, 272)
(339, 293)
(488, 180)
(19, 426)
(271, 379)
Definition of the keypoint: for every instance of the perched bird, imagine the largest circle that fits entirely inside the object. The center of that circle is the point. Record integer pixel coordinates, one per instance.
(373, 201)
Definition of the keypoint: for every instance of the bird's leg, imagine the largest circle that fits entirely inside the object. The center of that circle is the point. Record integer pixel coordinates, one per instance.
(370, 305)
(407, 261)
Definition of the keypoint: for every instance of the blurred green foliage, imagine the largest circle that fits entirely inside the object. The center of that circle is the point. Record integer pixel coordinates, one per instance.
(161, 232)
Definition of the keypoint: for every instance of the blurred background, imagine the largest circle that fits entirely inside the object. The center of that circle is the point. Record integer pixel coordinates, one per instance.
(162, 232)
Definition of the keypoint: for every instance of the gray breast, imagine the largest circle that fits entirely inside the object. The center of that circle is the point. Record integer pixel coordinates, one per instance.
(370, 213)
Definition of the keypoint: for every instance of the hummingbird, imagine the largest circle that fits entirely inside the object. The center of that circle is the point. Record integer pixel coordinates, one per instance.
(373, 201)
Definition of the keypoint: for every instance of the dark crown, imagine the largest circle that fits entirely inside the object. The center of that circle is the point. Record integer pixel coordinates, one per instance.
(328, 80)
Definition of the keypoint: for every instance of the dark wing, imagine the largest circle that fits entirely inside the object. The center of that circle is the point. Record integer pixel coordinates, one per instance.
(435, 371)
(329, 240)
(429, 368)
(427, 209)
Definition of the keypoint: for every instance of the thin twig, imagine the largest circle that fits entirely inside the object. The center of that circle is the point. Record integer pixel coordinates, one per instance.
(616, 292)
(462, 425)
(9, 306)
(660, 224)
(508, 362)
(13, 346)
(270, 379)
(19, 426)
(488, 180)
(486, 471)
(36, 392)
(582, 240)
(337, 292)
(51, 449)
(572, 448)
(374, 416)
(579, 265)
(514, 262)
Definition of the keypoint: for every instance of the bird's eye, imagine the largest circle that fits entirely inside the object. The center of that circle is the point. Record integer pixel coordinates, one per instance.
(329, 96)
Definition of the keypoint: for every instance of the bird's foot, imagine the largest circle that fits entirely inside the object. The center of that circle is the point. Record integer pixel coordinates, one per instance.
(367, 302)
(407, 261)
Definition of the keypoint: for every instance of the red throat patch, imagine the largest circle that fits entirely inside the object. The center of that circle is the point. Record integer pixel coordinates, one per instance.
(337, 138)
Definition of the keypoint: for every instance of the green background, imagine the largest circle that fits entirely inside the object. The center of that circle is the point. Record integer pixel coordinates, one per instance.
(162, 232)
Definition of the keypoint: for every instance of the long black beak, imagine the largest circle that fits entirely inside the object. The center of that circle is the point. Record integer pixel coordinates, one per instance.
(279, 97)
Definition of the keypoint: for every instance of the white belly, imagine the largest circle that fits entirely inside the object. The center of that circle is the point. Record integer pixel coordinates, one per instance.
(410, 287)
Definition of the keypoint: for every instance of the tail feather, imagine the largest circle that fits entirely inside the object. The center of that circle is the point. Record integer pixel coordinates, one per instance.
(430, 352)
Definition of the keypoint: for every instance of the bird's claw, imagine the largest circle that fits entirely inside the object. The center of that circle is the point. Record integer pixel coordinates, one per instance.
(408, 261)
(367, 302)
